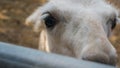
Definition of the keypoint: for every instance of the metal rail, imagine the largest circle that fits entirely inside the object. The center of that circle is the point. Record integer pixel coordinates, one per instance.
(12, 56)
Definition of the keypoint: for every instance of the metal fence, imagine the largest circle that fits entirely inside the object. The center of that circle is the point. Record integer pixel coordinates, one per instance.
(12, 56)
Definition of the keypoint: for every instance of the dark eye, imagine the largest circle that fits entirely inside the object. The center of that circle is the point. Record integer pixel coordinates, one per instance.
(113, 23)
(50, 21)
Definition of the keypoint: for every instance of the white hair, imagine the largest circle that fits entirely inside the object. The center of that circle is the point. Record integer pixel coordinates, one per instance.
(77, 28)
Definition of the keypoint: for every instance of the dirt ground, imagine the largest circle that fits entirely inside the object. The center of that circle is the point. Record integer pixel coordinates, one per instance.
(13, 30)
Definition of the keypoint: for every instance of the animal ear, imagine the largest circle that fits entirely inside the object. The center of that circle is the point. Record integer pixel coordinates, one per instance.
(118, 17)
(118, 20)
(35, 20)
(32, 19)
(43, 41)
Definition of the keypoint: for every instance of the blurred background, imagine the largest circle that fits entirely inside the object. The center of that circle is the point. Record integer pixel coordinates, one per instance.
(13, 29)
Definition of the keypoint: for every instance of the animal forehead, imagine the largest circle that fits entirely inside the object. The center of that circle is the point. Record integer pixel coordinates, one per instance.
(78, 3)
(77, 6)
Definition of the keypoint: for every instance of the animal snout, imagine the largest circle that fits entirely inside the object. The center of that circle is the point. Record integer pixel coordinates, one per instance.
(101, 56)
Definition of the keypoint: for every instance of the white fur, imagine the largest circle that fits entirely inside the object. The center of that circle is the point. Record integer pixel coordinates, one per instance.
(82, 29)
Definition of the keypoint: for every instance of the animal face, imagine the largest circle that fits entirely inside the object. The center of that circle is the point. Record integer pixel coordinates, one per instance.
(77, 28)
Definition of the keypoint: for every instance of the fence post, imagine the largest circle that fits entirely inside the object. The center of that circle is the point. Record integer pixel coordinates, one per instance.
(12, 56)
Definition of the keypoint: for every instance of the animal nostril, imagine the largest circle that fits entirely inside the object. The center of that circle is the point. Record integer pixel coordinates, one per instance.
(113, 60)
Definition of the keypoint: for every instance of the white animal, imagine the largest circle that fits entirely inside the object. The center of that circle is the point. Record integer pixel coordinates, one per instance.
(77, 28)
